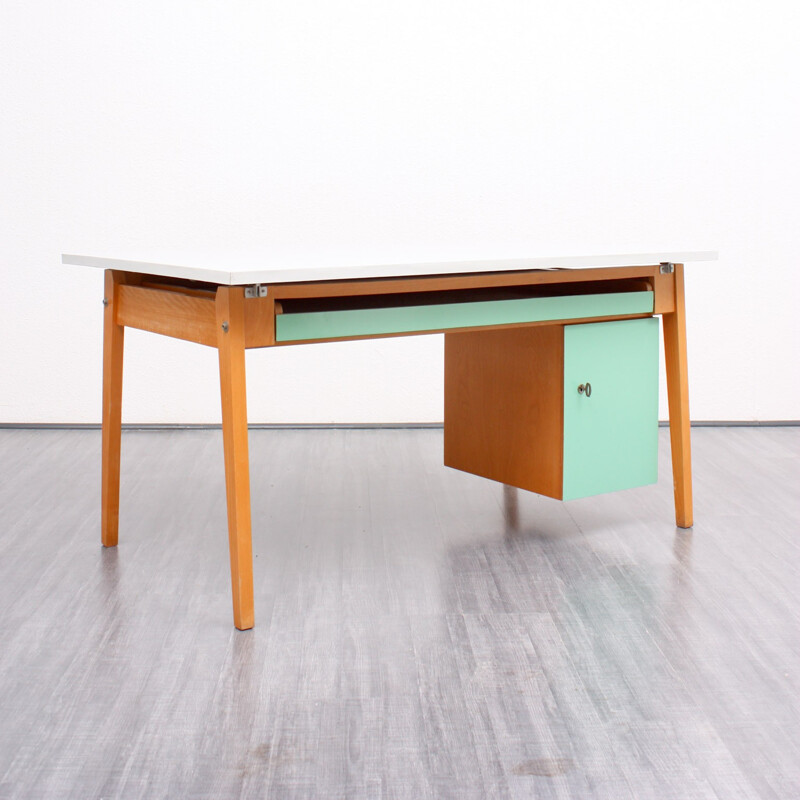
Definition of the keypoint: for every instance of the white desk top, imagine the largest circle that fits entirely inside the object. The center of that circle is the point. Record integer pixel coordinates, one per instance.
(237, 274)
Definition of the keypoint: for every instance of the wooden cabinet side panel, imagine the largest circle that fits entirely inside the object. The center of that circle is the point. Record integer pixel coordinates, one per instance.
(503, 406)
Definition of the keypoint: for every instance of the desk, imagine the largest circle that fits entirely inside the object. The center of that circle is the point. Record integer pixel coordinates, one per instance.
(551, 376)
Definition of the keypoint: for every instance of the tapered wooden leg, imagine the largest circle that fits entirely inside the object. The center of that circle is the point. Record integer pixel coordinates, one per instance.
(678, 395)
(113, 338)
(230, 340)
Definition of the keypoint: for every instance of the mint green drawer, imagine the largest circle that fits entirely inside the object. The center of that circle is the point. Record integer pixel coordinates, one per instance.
(611, 437)
(340, 324)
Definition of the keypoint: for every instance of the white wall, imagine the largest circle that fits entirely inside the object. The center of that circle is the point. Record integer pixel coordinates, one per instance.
(382, 132)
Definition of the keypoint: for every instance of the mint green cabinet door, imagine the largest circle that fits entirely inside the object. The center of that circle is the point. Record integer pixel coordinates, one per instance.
(611, 435)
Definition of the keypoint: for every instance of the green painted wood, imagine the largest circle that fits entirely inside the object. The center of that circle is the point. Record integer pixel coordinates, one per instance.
(417, 319)
(610, 438)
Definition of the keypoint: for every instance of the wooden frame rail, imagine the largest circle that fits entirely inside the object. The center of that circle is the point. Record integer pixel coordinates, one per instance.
(185, 311)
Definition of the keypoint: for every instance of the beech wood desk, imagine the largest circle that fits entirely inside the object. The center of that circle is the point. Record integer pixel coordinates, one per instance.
(551, 364)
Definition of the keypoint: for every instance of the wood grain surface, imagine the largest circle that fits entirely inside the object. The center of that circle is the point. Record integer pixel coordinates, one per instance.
(230, 318)
(504, 405)
(170, 312)
(113, 352)
(675, 358)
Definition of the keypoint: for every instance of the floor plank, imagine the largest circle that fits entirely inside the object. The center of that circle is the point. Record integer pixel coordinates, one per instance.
(420, 632)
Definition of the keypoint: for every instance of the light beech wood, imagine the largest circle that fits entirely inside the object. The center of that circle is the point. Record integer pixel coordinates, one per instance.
(208, 292)
(259, 321)
(663, 293)
(402, 291)
(352, 288)
(169, 312)
(503, 405)
(674, 325)
(230, 322)
(113, 347)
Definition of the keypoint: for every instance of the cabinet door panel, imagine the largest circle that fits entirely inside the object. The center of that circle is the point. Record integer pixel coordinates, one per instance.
(611, 436)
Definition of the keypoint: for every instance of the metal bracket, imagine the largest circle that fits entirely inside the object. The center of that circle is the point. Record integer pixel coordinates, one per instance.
(666, 267)
(256, 290)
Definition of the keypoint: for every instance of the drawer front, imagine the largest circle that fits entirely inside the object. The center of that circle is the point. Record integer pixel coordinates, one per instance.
(316, 325)
(610, 436)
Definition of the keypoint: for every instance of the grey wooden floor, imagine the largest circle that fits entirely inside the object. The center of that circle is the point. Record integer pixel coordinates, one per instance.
(419, 632)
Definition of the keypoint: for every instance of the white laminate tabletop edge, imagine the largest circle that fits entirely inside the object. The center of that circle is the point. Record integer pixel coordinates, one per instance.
(238, 277)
